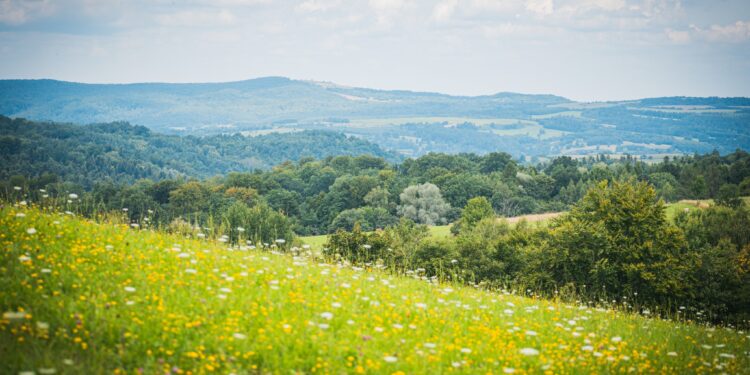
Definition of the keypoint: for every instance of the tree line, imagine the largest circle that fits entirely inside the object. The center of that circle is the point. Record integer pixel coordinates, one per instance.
(319, 196)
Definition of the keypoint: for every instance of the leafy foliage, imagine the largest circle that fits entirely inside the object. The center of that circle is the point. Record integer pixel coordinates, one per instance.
(423, 204)
(124, 153)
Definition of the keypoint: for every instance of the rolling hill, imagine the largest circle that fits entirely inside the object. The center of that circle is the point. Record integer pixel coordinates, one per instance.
(410, 123)
(124, 153)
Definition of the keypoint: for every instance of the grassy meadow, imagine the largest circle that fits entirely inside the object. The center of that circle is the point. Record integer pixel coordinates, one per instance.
(82, 297)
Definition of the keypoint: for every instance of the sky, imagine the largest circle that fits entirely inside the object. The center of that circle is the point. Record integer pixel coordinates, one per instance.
(590, 50)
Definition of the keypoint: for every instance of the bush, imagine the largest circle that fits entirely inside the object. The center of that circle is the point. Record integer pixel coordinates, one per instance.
(357, 246)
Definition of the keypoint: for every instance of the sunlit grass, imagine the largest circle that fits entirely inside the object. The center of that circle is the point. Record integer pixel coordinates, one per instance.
(316, 242)
(675, 208)
(437, 231)
(80, 297)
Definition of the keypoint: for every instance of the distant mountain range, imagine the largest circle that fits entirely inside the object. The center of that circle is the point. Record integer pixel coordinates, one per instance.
(410, 123)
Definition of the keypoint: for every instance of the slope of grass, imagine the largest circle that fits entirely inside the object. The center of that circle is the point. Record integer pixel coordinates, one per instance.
(81, 297)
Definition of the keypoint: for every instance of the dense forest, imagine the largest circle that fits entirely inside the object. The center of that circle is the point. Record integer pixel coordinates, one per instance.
(123, 153)
(116, 166)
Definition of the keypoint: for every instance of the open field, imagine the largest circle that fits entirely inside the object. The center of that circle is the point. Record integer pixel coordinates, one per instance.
(541, 219)
(450, 121)
(315, 241)
(81, 297)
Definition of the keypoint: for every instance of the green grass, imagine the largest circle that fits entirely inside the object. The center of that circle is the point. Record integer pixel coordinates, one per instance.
(81, 297)
(316, 242)
(438, 231)
(675, 208)
(319, 241)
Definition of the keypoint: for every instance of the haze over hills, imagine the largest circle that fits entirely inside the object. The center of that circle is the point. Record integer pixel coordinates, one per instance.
(410, 123)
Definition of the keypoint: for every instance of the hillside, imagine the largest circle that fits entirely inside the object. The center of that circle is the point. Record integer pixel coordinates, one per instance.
(123, 153)
(78, 296)
(410, 123)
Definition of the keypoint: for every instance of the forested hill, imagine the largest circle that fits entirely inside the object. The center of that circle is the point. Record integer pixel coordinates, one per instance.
(124, 153)
(407, 122)
(242, 104)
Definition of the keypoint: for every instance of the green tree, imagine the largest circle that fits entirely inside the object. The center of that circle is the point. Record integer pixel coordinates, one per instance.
(368, 218)
(423, 204)
(476, 209)
(357, 246)
(637, 250)
(728, 195)
(377, 197)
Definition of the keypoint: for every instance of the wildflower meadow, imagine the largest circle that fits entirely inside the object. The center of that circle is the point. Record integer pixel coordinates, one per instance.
(84, 297)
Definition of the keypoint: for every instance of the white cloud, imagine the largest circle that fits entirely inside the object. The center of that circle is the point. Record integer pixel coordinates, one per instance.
(507, 6)
(540, 7)
(444, 10)
(737, 32)
(608, 5)
(386, 5)
(518, 31)
(658, 8)
(732, 33)
(195, 18)
(386, 11)
(317, 5)
(581, 8)
(678, 37)
(15, 12)
(238, 2)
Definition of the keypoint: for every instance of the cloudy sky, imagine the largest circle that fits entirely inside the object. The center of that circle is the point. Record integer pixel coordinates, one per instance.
(581, 49)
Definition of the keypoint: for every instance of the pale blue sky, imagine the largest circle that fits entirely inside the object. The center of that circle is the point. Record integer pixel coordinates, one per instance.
(581, 49)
